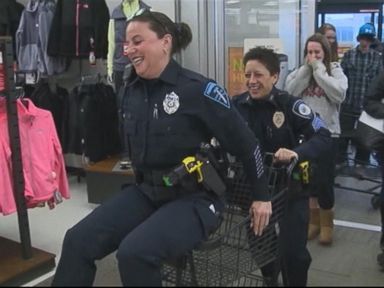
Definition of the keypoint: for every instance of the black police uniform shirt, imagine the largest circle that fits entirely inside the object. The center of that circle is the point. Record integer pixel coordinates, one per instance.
(166, 119)
(281, 121)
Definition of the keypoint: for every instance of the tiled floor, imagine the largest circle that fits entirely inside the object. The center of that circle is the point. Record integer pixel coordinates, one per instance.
(350, 261)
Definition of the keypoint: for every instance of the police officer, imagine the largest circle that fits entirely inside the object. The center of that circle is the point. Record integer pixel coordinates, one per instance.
(281, 121)
(167, 113)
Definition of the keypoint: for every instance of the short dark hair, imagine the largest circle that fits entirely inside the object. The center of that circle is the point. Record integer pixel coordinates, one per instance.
(266, 56)
(161, 24)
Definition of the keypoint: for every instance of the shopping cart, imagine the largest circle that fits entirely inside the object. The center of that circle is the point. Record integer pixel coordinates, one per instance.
(369, 172)
(233, 255)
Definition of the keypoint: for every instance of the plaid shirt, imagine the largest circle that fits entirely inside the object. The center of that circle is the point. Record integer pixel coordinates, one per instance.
(360, 68)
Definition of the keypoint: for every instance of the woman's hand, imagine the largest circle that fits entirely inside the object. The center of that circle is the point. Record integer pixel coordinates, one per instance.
(260, 213)
(285, 155)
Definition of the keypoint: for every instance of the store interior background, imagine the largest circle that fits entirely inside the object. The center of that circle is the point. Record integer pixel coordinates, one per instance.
(218, 26)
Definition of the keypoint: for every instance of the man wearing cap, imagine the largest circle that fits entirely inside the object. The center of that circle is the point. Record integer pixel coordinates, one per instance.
(360, 64)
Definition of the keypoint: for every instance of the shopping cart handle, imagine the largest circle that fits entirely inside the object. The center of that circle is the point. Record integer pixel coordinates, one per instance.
(292, 165)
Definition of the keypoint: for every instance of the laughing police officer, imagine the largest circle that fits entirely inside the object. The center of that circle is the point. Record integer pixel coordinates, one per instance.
(167, 113)
(280, 121)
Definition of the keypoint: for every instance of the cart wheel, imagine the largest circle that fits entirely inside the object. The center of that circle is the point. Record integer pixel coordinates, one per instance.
(375, 201)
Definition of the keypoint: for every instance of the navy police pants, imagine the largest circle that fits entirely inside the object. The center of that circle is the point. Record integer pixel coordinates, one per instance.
(295, 258)
(144, 233)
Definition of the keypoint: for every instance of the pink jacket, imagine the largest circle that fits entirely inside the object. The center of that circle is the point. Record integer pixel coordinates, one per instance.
(42, 158)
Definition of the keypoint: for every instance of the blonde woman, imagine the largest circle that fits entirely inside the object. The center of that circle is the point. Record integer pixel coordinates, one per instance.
(322, 85)
(329, 31)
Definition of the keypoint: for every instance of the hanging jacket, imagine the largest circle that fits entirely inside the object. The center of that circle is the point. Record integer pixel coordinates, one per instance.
(119, 19)
(56, 102)
(79, 27)
(93, 122)
(10, 14)
(41, 154)
(32, 39)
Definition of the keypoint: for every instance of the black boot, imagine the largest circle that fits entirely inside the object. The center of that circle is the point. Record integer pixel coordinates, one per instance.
(380, 257)
(382, 226)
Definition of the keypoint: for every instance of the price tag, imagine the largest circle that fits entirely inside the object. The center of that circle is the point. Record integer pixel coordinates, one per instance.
(30, 78)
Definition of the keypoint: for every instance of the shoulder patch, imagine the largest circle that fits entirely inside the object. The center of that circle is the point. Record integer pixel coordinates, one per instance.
(216, 93)
(318, 123)
(302, 110)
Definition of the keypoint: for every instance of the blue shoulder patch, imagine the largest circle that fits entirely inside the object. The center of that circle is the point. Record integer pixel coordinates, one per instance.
(302, 110)
(217, 94)
(317, 123)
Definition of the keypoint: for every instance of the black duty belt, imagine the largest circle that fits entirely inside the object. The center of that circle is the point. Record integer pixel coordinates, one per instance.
(151, 177)
(152, 184)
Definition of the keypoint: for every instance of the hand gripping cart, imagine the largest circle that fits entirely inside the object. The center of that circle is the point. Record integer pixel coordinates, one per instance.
(233, 255)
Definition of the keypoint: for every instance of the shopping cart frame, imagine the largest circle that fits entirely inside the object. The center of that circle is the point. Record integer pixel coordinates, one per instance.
(347, 171)
(232, 256)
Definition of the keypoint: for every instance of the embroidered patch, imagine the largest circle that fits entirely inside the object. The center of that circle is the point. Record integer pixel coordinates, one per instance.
(301, 109)
(317, 123)
(278, 119)
(217, 94)
(171, 103)
(259, 162)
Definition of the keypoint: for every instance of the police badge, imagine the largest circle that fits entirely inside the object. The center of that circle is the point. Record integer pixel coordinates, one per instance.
(278, 119)
(171, 103)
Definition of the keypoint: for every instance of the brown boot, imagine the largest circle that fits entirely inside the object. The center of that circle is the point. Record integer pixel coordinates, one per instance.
(326, 226)
(314, 223)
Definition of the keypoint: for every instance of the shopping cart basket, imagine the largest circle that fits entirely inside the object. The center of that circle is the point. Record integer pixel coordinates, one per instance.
(233, 255)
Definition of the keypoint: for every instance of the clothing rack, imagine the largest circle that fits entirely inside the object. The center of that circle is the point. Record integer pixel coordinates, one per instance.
(16, 269)
(14, 138)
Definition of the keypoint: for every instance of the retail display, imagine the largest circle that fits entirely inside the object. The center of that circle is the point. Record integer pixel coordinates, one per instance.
(92, 121)
(117, 61)
(43, 170)
(11, 264)
(79, 29)
(10, 14)
(32, 39)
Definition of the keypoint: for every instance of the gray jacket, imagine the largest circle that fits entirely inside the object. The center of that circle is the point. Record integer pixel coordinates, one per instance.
(32, 39)
(334, 87)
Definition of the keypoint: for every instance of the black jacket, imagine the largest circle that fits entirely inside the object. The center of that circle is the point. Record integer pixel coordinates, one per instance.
(10, 14)
(93, 122)
(373, 101)
(285, 131)
(75, 27)
(166, 120)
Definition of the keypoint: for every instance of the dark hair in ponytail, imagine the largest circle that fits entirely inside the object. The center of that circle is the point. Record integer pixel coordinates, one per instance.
(183, 35)
(161, 24)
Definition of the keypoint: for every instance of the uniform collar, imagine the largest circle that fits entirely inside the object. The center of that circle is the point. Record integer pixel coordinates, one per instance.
(271, 98)
(170, 72)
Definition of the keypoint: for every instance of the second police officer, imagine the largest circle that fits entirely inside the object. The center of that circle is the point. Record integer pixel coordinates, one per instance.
(168, 111)
(280, 122)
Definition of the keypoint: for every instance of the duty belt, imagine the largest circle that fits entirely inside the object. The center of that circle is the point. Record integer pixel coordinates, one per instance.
(151, 177)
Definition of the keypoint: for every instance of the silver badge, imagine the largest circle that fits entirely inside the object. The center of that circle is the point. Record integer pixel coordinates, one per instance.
(278, 119)
(171, 103)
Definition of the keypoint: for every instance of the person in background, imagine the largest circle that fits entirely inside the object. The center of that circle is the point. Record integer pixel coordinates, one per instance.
(322, 85)
(329, 31)
(280, 121)
(374, 106)
(361, 65)
(116, 60)
(167, 112)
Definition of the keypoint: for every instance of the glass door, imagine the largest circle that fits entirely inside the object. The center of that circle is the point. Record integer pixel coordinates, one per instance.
(349, 18)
